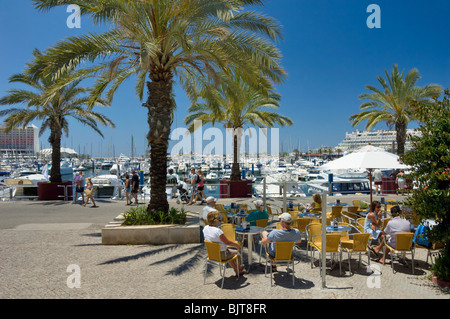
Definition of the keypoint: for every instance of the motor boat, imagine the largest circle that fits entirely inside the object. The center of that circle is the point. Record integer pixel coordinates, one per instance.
(107, 186)
(25, 186)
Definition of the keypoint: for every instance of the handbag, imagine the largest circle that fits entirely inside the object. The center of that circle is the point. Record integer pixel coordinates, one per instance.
(88, 191)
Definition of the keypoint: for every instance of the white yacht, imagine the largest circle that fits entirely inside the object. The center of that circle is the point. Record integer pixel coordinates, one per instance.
(25, 186)
(108, 186)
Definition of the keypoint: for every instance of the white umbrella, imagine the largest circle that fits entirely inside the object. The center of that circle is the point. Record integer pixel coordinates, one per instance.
(367, 157)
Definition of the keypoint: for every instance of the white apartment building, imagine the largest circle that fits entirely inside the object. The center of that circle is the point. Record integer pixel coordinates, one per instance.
(385, 139)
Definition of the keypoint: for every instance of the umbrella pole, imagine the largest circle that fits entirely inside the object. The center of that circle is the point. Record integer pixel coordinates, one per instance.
(324, 240)
(370, 182)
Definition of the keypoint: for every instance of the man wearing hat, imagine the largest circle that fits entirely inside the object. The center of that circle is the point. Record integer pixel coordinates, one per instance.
(258, 213)
(286, 233)
(210, 207)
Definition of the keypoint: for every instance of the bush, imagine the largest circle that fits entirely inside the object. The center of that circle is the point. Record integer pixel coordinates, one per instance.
(431, 173)
(139, 216)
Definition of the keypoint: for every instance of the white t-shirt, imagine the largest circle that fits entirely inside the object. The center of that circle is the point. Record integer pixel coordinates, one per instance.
(213, 234)
(207, 210)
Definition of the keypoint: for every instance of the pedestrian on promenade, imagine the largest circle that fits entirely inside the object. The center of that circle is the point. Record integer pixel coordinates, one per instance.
(134, 186)
(89, 192)
(79, 185)
(127, 188)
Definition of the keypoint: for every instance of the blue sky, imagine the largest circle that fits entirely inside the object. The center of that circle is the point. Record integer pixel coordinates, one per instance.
(328, 50)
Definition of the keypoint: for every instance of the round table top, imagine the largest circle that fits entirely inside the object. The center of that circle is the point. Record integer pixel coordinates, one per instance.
(309, 215)
(336, 204)
(253, 230)
(338, 229)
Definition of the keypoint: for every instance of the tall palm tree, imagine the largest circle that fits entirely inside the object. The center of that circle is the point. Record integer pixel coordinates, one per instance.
(53, 108)
(392, 103)
(237, 105)
(163, 41)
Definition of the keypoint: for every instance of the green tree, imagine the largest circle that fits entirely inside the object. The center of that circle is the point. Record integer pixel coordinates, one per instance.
(392, 103)
(430, 163)
(237, 105)
(161, 41)
(53, 108)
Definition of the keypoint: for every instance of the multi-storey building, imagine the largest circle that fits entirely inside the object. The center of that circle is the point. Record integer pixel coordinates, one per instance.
(385, 139)
(20, 140)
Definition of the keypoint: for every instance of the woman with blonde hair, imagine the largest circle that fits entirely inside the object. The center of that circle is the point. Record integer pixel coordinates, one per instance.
(213, 233)
(88, 192)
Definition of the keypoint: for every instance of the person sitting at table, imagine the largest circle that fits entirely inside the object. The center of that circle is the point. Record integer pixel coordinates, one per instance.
(286, 233)
(213, 233)
(316, 204)
(396, 225)
(372, 225)
(258, 213)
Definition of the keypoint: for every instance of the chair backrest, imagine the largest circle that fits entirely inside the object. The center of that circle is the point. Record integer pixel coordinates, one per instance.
(262, 222)
(360, 224)
(352, 209)
(294, 214)
(314, 230)
(404, 241)
(333, 241)
(244, 206)
(344, 234)
(228, 231)
(356, 203)
(283, 250)
(224, 213)
(213, 250)
(278, 225)
(336, 211)
(315, 221)
(269, 209)
(360, 241)
(219, 206)
(385, 222)
(302, 222)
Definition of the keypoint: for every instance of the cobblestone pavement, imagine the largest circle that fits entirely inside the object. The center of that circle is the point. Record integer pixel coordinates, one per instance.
(42, 258)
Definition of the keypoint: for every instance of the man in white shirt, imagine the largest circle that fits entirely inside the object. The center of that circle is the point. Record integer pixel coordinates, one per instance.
(396, 225)
(210, 207)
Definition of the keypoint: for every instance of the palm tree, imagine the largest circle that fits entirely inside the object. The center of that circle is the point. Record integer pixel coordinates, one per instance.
(237, 105)
(392, 104)
(159, 42)
(53, 108)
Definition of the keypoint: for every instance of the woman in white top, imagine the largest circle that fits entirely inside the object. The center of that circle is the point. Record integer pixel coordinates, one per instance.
(215, 234)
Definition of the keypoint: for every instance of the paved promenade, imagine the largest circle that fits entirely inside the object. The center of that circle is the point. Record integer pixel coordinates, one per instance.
(53, 250)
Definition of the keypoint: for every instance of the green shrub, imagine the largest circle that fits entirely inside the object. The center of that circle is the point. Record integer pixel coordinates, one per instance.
(139, 216)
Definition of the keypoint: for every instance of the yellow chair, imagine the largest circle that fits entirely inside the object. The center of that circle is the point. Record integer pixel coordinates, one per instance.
(269, 211)
(336, 212)
(357, 203)
(229, 232)
(278, 225)
(262, 223)
(385, 222)
(352, 209)
(301, 224)
(224, 213)
(332, 247)
(312, 230)
(357, 244)
(217, 206)
(294, 214)
(244, 206)
(283, 255)
(215, 257)
(403, 245)
(349, 217)
(360, 224)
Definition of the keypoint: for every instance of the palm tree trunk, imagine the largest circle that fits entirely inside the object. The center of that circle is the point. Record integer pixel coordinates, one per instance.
(235, 171)
(55, 142)
(160, 105)
(401, 137)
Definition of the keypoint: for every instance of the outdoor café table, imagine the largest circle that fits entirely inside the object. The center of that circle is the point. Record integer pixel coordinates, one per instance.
(237, 218)
(311, 215)
(335, 204)
(339, 229)
(254, 230)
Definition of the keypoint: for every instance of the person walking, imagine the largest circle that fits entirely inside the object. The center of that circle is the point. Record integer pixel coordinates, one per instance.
(127, 188)
(79, 185)
(89, 192)
(201, 187)
(135, 186)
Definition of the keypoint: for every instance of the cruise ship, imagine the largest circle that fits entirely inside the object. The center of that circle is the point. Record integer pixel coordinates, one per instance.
(384, 139)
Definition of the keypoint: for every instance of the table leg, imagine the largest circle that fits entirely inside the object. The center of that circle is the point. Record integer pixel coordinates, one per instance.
(250, 250)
